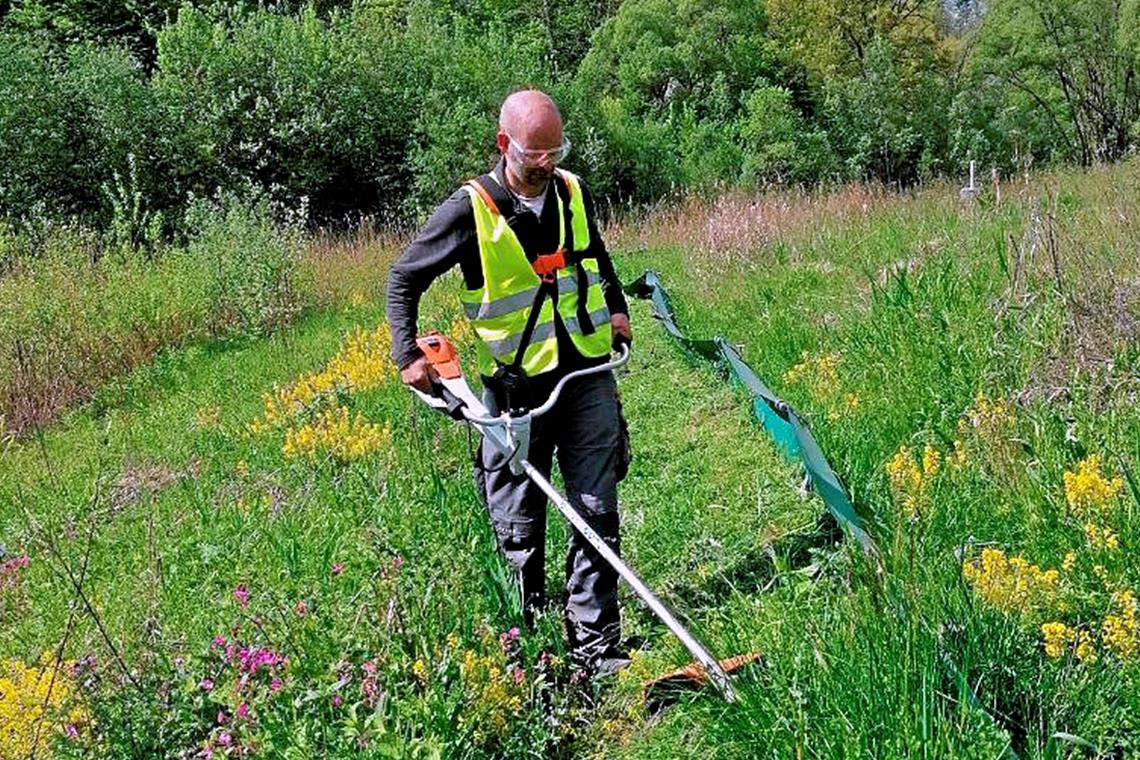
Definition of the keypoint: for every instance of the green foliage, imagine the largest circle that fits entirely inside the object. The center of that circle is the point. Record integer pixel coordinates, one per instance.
(888, 121)
(301, 108)
(1076, 62)
(461, 71)
(778, 143)
(121, 113)
(251, 264)
(37, 149)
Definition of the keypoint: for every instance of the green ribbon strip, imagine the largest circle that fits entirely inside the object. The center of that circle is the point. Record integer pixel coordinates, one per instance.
(790, 433)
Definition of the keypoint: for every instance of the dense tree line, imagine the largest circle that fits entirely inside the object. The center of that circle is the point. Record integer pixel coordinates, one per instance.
(123, 112)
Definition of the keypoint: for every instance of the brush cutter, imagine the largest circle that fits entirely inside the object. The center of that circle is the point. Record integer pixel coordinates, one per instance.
(510, 434)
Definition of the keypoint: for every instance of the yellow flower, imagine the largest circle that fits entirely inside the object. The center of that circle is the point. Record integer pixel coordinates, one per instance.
(820, 374)
(957, 459)
(241, 468)
(35, 701)
(931, 459)
(910, 480)
(460, 332)
(331, 433)
(1057, 637)
(208, 417)
(419, 670)
(1069, 562)
(1012, 584)
(1121, 630)
(1088, 491)
(987, 427)
(361, 363)
(1086, 649)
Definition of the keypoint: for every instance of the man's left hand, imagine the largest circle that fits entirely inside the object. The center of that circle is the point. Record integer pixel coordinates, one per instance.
(620, 325)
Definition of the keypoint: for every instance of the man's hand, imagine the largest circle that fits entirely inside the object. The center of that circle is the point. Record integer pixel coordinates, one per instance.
(419, 374)
(620, 325)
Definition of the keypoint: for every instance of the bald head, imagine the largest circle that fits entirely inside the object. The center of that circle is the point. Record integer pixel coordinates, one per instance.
(531, 122)
(529, 110)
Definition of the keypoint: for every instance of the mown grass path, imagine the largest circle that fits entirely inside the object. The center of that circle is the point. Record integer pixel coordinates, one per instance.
(181, 505)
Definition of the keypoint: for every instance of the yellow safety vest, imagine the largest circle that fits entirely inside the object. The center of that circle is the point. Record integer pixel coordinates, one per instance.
(499, 310)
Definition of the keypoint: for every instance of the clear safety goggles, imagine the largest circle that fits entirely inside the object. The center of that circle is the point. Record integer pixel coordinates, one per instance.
(533, 157)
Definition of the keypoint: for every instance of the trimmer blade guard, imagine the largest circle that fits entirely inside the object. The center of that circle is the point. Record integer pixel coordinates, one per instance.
(665, 690)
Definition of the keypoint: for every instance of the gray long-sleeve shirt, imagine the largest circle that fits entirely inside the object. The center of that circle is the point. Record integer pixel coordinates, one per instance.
(448, 239)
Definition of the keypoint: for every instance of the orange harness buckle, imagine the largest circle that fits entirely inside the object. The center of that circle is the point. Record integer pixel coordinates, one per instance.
(547, 265)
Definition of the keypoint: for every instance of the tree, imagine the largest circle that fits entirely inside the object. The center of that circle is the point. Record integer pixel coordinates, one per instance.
(1077, 60)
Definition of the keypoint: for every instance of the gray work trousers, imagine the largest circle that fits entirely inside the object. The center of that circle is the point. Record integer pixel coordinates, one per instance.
(585, 430)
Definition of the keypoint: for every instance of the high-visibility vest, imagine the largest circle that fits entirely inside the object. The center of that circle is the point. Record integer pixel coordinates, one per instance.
(498, 311)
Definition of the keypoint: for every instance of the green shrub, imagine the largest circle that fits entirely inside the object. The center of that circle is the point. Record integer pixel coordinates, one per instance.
(250, 265)
(37, 147)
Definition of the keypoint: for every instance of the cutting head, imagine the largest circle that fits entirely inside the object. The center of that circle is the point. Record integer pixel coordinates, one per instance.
(665, 690)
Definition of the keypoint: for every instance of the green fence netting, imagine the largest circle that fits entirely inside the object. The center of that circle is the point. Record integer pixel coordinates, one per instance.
(790, 433)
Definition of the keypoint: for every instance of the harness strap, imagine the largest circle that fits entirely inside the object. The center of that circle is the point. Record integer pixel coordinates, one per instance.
(545, 265)
(585, 324)
(546, 288)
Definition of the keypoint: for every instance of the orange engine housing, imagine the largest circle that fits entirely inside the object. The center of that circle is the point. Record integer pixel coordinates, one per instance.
(441, 354)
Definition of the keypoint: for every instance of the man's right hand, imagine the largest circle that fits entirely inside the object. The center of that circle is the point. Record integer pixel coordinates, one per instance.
(419, 374)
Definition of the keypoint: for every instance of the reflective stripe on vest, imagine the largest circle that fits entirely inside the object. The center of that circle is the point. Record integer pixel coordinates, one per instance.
(498, 311)
(524, 298)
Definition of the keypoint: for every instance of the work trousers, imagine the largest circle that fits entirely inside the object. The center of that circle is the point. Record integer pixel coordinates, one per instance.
(586, 431)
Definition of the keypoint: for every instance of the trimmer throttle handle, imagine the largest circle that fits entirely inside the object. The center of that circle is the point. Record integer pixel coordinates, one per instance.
(454, 403)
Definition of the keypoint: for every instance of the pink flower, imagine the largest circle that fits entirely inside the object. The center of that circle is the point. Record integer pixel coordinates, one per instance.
(370, 687)
(519, 674)
(243, 710)
(9, 569)
(72, 731)
(221, 717)
(219, 641)
(337, 568)
(508, 637)
(225, 739)
(337, 700)
(397, 562)
(301, 609)
(275, 685)
(206, 685)
(241, 593)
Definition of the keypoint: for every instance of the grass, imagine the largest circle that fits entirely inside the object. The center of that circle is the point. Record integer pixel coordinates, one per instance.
(160, 493)
(954, 362)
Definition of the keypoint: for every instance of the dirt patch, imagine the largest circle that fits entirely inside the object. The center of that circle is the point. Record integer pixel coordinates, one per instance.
(147, 478)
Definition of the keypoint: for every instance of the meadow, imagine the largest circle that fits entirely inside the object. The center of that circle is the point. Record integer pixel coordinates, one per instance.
(255, 542)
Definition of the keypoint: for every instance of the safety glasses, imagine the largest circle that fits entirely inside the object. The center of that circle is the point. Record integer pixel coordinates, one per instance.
(532, 157)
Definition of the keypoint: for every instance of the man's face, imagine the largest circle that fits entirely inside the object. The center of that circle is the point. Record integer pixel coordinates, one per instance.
(532, 151)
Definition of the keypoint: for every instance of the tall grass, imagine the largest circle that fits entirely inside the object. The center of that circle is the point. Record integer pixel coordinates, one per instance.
(961, 365)
(82, 309)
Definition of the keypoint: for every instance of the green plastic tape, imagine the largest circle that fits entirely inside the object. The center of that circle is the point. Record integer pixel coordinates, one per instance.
(789, 432)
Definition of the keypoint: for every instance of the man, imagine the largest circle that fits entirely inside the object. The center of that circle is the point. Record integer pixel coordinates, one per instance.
(543, 299)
